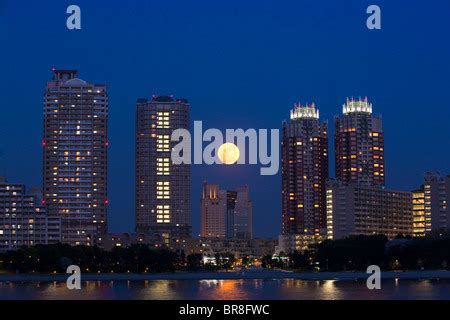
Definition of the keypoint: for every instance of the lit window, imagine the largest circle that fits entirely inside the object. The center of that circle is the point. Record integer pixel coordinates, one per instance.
(163, 143)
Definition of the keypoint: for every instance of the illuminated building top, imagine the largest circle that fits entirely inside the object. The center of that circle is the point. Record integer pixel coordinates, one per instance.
(304, 112)
(353, 106)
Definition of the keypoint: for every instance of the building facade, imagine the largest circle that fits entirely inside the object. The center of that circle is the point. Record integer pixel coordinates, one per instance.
(304, 171)
(125, 240)
(209, 247)
(163, 203)
(359, 145)
(418, 207)
(239, 213)
(297, 242)
(23, 219)
(226, 213)
(75, 152)
(437, 199)
(214, 217)
(361, 210)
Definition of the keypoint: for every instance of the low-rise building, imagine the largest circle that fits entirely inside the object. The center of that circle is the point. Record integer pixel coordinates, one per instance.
(437, 200)
(255, 248)
(296, 242)
(125, 240)
(356, 209)
(23, 218)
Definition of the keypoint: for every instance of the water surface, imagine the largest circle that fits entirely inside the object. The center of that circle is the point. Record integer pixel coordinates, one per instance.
(285, 289)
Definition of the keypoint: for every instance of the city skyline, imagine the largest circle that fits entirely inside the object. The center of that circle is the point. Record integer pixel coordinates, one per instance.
(75, 134)
(153, 117)
(235, 75)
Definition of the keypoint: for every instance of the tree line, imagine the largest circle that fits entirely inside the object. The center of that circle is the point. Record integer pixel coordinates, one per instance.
(356, 253)
(137, 258)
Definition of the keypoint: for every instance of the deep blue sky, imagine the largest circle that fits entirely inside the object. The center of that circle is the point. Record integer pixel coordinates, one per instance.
(241, 64)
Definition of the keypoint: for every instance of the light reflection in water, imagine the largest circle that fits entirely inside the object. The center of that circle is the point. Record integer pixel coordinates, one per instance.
(223, 289)
(209, 283)
(300, 289)
(290, 289)
(330, 291)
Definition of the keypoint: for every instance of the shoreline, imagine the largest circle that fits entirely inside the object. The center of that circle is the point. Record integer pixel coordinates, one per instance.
(232, 275)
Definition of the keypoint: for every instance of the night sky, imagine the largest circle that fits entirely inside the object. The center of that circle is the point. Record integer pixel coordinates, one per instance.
(241, 64)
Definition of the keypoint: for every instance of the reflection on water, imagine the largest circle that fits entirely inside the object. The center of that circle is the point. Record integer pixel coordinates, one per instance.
(289, 289)
(329, 290)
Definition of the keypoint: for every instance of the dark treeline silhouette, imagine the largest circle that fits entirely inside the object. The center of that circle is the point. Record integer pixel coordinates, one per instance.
(350, 254)
(356, 253)
(134, 259)
(57, 257)
(353, 253)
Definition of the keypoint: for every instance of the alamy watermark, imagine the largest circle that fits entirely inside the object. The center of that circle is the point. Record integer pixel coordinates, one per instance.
(73, 22)
(252, 146)
(74, 280)
(374, 20)
(374, 280)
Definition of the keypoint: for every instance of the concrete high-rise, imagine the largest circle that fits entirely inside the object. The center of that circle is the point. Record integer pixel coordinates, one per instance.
(75, 145)
(357, 201)
(163, 205)
(304, 172)
(226, 213)
(359, 145)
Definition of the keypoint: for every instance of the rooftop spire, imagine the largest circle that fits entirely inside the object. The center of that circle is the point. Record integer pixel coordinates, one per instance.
(307, 111)
(357, 106)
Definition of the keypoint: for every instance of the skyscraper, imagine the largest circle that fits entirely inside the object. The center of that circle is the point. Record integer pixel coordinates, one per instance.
(359, 145)
(75, 154)
(226, 213)
(163, 205)
(304, 172)
(357, 202)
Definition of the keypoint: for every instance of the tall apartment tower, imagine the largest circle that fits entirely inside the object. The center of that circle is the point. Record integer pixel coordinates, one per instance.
(304, 149)
(75, 154)
(359, 145)
(226, 213)
(163, 205)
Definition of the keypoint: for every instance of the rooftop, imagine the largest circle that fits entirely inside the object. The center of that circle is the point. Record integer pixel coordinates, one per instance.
(357, 106)
(307, 111)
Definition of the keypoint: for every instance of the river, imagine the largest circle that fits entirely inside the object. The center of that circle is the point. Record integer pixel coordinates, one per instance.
(245, 289)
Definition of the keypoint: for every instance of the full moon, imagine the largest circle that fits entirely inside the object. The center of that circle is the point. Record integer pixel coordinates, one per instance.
(228, 153)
